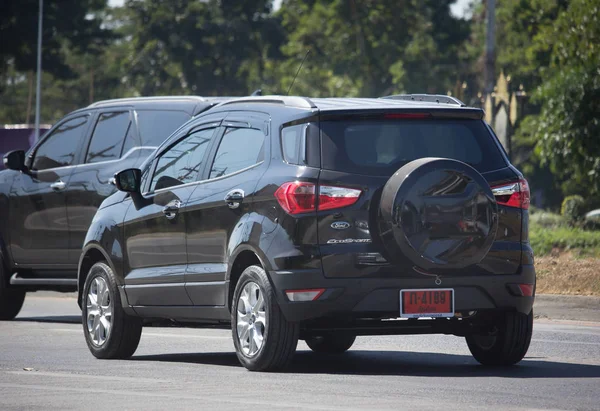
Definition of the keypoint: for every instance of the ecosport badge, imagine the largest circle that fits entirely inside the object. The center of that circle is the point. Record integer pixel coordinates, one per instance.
(349, 240)
(340, 225)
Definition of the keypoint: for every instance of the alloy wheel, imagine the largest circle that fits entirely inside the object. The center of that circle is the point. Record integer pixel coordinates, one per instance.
(99, 311)
(251, 319)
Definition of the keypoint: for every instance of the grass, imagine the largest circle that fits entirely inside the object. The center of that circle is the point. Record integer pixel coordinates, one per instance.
(546, 240)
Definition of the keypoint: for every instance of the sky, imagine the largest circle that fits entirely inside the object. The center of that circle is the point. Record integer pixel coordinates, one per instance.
(458, 8)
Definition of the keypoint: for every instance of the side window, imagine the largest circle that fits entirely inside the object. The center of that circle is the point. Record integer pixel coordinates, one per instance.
(239, 148)
(292, 139)
(59, 149)
(108, 137)
(155, 126)
(181, 163)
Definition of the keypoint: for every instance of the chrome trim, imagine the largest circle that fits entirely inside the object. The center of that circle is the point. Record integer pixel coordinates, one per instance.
(507, 189)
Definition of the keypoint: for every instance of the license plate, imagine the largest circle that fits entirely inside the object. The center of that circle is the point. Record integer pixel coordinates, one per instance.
(427, 302)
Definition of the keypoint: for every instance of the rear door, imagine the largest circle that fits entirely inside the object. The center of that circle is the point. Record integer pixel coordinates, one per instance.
(39, 229)
(219, 204)
(91, 181)
(155, 228)
(363, 153)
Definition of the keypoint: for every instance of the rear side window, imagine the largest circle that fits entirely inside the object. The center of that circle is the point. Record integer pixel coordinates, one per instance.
(155, 126)
(108, 137)
(291, 140)
(380, 147)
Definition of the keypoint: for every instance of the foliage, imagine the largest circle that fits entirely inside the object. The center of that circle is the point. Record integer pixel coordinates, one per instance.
(547, 220)
(555, 51)
(372, 47)
(68, 26)
(573, 208)
(544, 240)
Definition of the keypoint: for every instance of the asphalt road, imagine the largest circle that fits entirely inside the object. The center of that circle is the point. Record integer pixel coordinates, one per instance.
(45, 364)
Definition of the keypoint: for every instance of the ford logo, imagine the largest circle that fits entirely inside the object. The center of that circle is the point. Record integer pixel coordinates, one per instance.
(340, 225)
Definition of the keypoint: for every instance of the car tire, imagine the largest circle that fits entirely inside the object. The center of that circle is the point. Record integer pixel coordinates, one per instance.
(330, 343)
(11, 298)
(264, 340)
(100, 300)
(509, 342)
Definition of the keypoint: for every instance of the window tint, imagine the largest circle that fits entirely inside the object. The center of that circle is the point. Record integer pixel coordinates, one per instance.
(155, 126)
(182, 162)
(239, 148)
(108, 137)
(59, 149)
(380, 147)
(291, 140)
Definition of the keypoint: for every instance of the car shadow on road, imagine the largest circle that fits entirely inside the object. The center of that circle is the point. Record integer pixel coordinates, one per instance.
(61, 319)
(400, 363)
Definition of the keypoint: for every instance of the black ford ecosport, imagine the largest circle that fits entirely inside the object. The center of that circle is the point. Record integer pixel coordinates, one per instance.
(317, 219)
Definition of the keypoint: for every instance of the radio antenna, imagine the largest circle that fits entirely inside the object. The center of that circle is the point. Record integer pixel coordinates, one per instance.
(297, 72)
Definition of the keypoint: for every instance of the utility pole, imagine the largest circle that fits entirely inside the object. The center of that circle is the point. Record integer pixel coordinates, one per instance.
(490, 46)
(38, 86)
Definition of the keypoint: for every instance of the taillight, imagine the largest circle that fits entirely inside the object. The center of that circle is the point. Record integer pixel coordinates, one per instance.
(513, 194)
(299, 197)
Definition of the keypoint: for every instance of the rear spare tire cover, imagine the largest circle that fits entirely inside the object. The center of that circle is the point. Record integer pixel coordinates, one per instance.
(438, 213)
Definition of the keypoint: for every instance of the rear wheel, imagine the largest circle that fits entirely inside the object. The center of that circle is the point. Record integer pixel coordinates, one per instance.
(507, 343)
(11, 298)
(331, 343)
(109, 331)
(264, 340)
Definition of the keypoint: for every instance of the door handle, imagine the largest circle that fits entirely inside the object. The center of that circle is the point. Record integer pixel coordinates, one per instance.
(170, 210)
(58, 186)
(234, 198)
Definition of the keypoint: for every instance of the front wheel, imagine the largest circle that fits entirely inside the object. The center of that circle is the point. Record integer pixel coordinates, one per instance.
(264, 340)
(331, 343)
(109, 331)
(507, 343)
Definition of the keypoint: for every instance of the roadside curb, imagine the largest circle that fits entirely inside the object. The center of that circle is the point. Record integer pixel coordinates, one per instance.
(567, 307)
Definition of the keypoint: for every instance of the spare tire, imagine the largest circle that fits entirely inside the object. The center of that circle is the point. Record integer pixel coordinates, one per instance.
(437, 213)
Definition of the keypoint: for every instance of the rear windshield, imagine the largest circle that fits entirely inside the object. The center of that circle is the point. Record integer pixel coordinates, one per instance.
(155, 126)
(380, 147)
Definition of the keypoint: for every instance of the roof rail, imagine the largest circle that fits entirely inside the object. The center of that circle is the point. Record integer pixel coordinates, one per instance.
(431, 98)
(127, 100)
(291, 101)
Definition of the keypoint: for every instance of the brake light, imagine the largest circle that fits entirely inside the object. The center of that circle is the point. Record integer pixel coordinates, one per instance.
(299, 197)
(406, 115)
(513, 194)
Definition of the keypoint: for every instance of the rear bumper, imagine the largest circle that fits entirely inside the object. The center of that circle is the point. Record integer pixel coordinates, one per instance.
(380, 296)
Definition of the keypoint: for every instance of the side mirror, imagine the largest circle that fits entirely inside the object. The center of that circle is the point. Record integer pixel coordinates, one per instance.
(15, 160)
(129, 180)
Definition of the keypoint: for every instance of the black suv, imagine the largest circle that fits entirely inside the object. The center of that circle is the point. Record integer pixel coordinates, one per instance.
(49, 196)
(318, 219)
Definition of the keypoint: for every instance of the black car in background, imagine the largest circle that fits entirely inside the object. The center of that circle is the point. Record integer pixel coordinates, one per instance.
(49, 196)
(291, 218)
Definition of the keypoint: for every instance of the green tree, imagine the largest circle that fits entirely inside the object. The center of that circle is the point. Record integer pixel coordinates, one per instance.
(372, 48)
(569, 122)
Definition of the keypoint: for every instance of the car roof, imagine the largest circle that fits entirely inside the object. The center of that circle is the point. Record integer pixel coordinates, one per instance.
(193, 105)
(155, 99)
(334, 104)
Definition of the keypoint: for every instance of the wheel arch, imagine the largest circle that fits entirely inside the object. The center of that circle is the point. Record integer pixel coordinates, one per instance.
(91, 254)
(243, 257)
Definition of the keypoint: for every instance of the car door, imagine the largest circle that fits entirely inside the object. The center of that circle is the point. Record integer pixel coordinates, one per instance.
(38, 219)
(218, 206)
(155, 227)
(104, 155)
